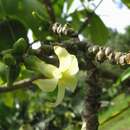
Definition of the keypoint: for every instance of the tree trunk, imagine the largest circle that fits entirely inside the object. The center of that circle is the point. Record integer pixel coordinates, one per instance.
(92, 103)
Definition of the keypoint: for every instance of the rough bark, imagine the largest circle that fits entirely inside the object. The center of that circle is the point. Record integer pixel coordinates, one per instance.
(92, 100)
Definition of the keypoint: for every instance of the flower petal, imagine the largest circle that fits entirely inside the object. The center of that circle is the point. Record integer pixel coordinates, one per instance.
(49, 70)
(61, 93)
(36, 64)
(64, 58)
(73, 68)
(70, 82)
(47, 85)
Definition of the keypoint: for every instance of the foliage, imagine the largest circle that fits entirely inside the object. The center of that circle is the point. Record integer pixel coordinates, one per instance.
(28, 109)
(127, 2)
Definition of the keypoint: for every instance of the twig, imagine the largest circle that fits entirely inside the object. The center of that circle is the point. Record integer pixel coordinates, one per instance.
(95, 52)
(98, 5)
(22, 84)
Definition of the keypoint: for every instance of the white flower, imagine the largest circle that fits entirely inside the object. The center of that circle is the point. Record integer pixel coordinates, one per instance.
(63, 77)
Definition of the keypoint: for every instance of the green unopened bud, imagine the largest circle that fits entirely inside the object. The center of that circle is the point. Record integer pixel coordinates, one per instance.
(9, 59)
(12, 74)
(20, 46)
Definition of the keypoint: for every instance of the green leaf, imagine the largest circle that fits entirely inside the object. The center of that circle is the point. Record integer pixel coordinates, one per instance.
(69, 3)
(12, 74)
(120, 122)
(25, 73)
(26, 127)
(58, 7)
(22, 11)
(125, 75)
(3, 71)
(119, 103)
(8, 100)
(10, 31)
(126, 2)
(96, 31)
(76, 18)
(8, 59)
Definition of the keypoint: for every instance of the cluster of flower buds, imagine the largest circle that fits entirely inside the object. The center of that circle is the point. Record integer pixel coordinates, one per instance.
(63, 29)
(107, 53)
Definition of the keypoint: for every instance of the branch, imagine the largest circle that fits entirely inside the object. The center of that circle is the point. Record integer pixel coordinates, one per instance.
(18, 85)
(94, 52)
(98, 5)
(50, 10)
(85, 53)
